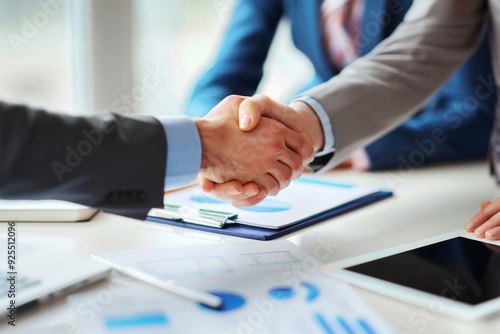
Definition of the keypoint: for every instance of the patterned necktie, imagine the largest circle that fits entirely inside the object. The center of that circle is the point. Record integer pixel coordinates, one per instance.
(494, 149)
(340, 21)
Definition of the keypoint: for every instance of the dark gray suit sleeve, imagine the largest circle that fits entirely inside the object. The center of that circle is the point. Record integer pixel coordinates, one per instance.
(107, 161)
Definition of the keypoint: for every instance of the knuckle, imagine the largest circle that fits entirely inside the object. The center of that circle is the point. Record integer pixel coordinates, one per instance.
(276, 150)
(232, 99)
(278, 128)
(304, 148)
(263, 97)
(297, 164)
(274, 188)
(287, 175)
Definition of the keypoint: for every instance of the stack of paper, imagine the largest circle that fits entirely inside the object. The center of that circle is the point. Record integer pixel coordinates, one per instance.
(266, 287)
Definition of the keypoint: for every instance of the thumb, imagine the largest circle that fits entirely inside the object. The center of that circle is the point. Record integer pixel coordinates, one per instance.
(253, 108)
(249, 114)
(205, 184)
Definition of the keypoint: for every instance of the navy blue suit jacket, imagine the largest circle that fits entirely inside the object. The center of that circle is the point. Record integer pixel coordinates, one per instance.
(463, 108)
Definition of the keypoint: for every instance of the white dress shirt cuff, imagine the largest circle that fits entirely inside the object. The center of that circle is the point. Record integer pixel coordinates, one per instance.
(328, 132)
(183, 150)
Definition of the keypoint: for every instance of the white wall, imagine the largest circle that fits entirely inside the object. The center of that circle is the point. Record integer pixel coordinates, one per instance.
(178, 38)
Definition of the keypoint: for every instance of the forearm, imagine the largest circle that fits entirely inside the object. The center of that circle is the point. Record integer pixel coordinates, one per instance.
(105, 161)
(379, 91)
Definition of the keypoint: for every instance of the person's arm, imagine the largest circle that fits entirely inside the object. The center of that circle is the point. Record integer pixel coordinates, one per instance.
(106, 161)
(118, 163)
(238, 67)
(453, 125)
(378, 92)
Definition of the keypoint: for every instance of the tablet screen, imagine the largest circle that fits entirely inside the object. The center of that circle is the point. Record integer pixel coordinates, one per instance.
(461, 269)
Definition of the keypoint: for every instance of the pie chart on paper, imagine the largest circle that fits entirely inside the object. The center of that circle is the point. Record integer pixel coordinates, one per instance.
(267, 205)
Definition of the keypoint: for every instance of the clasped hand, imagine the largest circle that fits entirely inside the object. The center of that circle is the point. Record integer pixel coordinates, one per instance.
(253, 147)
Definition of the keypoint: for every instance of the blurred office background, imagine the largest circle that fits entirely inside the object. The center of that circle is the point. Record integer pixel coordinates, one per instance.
(78, 56)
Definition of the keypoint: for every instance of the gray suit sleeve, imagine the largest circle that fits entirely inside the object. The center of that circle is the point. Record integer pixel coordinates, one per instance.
(107, 161)
(380, 91)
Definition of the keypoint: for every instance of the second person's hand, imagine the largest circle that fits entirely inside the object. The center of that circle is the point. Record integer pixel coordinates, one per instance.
(298, 117)
(269, 155)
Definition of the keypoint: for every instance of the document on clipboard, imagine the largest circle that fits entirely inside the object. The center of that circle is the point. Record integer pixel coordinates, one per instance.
(304, 202)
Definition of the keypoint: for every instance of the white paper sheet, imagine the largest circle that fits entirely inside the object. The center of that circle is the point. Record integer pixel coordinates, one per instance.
(271, 287)
(303, 198)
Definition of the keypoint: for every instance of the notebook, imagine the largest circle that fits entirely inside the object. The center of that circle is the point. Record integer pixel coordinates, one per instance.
(44, 211)
(39, 275)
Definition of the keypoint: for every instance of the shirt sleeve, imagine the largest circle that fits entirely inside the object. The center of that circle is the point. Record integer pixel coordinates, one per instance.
(183, 150)
(328, 132)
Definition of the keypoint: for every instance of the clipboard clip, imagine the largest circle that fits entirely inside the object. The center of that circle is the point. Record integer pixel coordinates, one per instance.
(187, 214)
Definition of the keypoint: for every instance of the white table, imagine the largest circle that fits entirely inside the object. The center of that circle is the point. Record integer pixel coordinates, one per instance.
(426, 202)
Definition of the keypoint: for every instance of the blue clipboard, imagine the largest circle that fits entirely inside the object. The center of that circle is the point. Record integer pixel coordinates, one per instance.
(259, 233)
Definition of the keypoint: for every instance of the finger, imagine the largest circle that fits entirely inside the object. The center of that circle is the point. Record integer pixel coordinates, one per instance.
(251, 200)
(493, 233)
(482, 216)
(298, 173)
(256, 106)
(248, 190)
(282, 173)
(485, 204)
(494, 221)
(228, 190)
(292, 160)
(205, 184)
(268, 182)
(251, 189)
(298, 144)
(249, 115)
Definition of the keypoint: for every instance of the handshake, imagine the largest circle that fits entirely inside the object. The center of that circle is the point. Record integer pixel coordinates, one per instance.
(253, 147)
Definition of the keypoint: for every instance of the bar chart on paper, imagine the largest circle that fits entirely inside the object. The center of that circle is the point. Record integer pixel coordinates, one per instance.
(270, 258)
(265, 288)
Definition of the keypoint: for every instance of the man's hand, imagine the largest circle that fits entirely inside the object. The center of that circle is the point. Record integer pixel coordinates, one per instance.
(298, 117)
(238, 194)
(486, 223)
(269, 155)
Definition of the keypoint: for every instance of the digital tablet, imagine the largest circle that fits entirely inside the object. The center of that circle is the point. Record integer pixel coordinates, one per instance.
(44, 211)
(456, 274)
